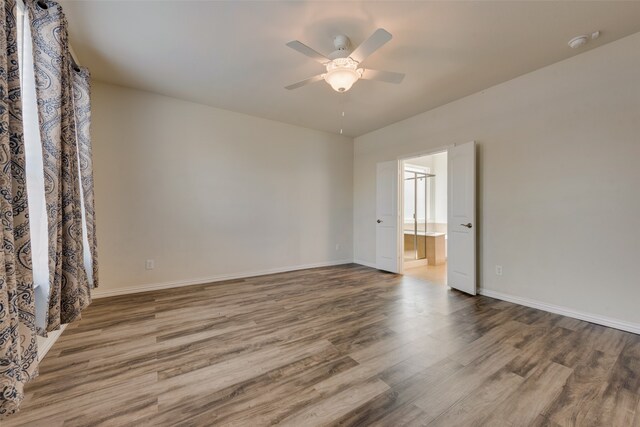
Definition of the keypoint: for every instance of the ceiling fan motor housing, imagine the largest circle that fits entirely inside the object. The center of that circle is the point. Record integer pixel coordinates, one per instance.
(342, 45)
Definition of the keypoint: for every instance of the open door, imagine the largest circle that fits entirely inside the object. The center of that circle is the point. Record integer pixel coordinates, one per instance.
(461, 259)
(387, 253)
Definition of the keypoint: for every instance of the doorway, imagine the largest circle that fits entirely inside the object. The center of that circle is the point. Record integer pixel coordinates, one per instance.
(424, 217)
(449, 218)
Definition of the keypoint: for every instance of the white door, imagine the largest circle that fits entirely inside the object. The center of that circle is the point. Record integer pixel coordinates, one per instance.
(387, 253)
(461, 250)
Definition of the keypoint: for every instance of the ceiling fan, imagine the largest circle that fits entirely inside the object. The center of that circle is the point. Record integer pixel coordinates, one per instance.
(342, 64)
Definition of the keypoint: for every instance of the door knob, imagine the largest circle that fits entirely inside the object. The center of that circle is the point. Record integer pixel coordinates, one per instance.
(379, 221)
(468, 225)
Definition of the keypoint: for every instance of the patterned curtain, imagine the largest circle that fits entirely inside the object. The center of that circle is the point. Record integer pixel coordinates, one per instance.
(82, 107)
(18, 348)
(70, 292)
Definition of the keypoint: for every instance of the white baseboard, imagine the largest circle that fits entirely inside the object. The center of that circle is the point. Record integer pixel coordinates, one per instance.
(103, 293)
(365, 263)
(45, 344)
(565, 311)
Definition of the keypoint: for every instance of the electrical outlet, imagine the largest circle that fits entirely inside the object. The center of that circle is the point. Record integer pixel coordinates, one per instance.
(498, 270)
(150, 264)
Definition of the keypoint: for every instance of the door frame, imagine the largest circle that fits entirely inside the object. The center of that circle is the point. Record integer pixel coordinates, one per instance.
(401, 161)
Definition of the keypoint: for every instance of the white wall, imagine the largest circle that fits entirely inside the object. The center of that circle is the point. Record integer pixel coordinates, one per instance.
(207, 192)
(559, 181)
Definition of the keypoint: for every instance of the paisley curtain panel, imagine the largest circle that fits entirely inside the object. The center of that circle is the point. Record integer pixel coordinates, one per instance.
(18, 348)
(69, 282)
(52, 170)
(82, 108)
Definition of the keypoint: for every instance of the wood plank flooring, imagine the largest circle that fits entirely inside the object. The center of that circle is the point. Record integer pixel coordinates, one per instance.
(345, 345)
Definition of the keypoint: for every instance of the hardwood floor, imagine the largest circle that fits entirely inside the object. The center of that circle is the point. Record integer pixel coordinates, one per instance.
(436, 274)
(344, 345)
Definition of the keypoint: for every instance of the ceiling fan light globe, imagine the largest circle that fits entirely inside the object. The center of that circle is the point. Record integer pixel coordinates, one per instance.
(342, 73)
(341, 80)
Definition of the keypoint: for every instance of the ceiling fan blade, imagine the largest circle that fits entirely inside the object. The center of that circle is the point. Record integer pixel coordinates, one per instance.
(383, 76)
(370, 45)
(306, 50)
(305, 82)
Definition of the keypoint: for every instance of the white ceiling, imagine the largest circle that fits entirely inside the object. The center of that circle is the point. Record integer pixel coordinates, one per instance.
(232, 54)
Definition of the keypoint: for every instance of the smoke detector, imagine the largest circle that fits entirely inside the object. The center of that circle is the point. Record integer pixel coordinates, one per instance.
(580, 41)
(577, 42)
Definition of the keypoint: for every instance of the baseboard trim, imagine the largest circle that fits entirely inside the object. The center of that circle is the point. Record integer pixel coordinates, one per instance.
(45, 344)
(100, 293)
(365, 263)
(565, 311)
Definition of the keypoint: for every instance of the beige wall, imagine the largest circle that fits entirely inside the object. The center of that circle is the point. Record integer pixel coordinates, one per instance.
(208, 193)
(559, 182)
